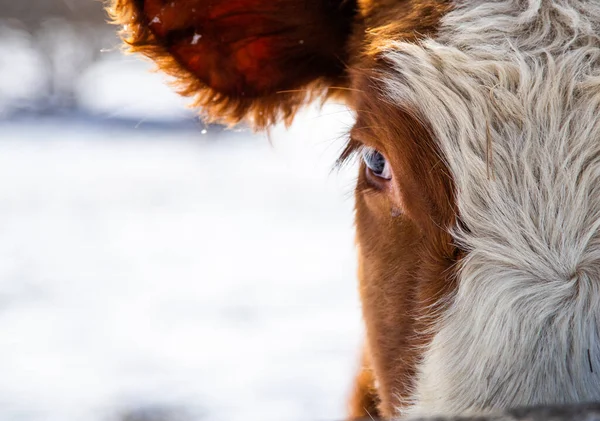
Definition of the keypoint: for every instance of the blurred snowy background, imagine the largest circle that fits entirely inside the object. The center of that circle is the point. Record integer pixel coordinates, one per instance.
(152, 267)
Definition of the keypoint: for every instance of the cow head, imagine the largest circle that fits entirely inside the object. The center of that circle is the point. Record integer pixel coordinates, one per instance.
(478, 196)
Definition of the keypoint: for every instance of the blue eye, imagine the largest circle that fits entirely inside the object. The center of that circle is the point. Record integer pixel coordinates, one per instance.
(376, 162)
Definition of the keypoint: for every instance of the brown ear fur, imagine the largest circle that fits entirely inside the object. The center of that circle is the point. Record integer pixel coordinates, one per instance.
(260, 59)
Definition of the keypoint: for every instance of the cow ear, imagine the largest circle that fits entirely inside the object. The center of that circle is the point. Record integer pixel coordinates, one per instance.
(254, 59)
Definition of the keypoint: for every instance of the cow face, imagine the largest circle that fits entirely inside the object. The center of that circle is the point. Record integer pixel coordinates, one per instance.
(477, 209)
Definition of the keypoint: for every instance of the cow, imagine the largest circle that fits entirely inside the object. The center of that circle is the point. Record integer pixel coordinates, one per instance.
(478, 193)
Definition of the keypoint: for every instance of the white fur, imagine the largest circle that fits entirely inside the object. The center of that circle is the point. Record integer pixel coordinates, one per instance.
(520, 79)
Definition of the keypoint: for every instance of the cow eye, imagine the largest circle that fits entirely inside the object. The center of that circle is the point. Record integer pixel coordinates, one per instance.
(377, 164)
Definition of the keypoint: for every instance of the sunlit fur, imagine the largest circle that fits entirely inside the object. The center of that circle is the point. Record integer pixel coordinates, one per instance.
(511, 92)
(205, 45)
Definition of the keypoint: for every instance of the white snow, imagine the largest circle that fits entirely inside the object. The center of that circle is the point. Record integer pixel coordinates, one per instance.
(210, 272)
(20, 74)
(126, 88)
(196, 38)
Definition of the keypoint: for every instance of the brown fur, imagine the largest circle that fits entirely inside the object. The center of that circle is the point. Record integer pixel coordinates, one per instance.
(399, 20)
(392, 254)
(364, 401)
(251, 64)
(258, 60)
(405, 261)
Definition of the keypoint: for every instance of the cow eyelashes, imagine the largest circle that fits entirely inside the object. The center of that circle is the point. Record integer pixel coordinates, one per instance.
(376, 163)
(378, 169)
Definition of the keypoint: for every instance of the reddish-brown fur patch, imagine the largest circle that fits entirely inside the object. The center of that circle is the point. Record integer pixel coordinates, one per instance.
(404, 262)
(240, 47)
(400, 20)
(405, 259)
(364, 400)
(253, 59)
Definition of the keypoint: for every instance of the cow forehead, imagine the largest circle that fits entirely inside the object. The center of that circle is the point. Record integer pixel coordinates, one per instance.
(511, 92)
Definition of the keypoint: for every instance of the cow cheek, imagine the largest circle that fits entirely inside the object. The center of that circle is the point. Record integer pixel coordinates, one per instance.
(388, 254)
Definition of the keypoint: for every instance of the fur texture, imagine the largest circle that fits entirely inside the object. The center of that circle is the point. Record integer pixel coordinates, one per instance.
(581, 412)
(405, 257)
(511, 92)
(252, 60)
(584, 412)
